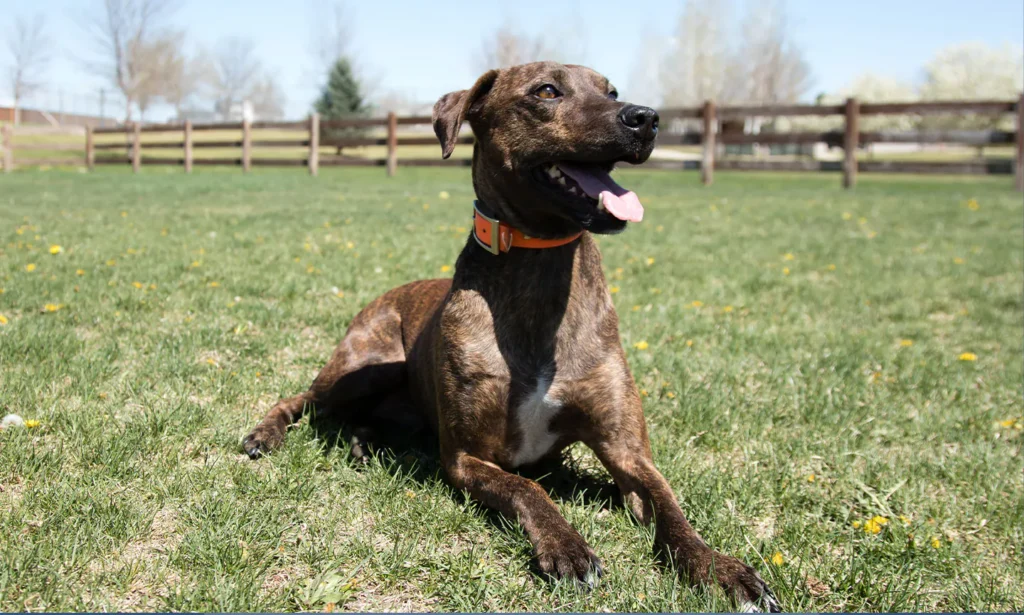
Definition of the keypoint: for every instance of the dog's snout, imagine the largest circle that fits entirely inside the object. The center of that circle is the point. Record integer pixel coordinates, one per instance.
(643, 120)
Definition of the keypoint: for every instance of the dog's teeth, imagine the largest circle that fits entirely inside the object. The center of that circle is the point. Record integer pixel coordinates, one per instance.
(554, 172)
(600, 202)
(561, 180)
(573, 190)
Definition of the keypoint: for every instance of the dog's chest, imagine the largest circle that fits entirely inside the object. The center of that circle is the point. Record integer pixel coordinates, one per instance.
(533, 416)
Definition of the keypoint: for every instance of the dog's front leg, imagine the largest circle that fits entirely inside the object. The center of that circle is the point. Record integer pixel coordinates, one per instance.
(560, 550)
(646, 492)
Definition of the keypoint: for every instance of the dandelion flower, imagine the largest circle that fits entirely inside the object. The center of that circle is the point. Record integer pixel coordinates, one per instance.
(443, 195)
(137, 284)
(426, 206)
(696, 304)
(641, 345)
(1006, 423)
(643, 392)
(650, 260)
(30, 267)
(446, 268)
(350, 245)
(785, 271)
(31, 423)
(811, 477)
(777, 559)
(906, 343)
(856, 525)
(727, 309)
(958, 260)
(973, 205)
(213, 284)
(3, 320)
(111, 263)
(905, 520)
(670, 395)
(52, 307)
(847, 215)
(636, 308)
(935, 542)
(56, 249)
(872, 527)
(968, 356)
(788, 256)
(689, 343)
(831, 267)
(79, 271)
(613, 289)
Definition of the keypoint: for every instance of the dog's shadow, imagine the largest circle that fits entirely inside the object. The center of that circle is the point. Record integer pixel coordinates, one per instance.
(412, 451)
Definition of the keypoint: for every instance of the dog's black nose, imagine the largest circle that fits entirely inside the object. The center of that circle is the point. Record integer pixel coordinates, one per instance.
(643, 120)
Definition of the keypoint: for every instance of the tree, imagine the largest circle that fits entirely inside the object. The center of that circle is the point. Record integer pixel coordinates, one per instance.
(698, 65)
(27, 44)
(771, 65)
(972, 71)
(235, 71)
(341, 98)
(163, 59)
(872, 88)
(124, 34)
(507, 46)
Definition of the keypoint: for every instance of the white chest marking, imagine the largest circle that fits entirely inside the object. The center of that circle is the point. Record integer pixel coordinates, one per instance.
(533, 417)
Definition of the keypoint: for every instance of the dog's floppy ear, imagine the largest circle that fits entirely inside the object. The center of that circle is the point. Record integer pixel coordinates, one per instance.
(451, 110)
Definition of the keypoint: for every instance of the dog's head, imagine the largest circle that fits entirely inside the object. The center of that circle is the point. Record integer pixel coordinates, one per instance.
(547, 136)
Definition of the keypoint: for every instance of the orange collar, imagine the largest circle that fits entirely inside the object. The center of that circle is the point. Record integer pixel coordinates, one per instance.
(486, 229)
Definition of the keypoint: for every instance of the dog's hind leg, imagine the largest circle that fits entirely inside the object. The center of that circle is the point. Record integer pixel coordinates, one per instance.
(368, 363)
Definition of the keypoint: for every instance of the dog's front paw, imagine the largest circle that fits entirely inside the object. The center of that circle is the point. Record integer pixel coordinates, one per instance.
(261, 441)
(567, 556)
(744, 585)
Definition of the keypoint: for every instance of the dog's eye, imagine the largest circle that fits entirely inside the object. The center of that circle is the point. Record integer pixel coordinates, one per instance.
(613, 95)
(547, 92)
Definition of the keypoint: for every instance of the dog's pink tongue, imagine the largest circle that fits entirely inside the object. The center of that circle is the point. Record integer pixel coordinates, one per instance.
(598, 184)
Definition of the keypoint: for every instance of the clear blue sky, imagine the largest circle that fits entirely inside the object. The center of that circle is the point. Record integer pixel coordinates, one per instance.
(424, 49)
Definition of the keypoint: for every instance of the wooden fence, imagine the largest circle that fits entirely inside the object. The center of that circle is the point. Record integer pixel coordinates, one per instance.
(313, 134)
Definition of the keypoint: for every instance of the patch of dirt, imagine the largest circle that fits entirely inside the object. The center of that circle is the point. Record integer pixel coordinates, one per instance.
(405, 598)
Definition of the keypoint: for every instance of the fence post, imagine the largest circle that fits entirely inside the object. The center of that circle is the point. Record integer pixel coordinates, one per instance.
(707, 163)
(1020, 144)
(392, 143)
(188, 146)
(314, 143)
(246, 146)
(6, 148)
(137, 147)
(90, 151)
(850, 140)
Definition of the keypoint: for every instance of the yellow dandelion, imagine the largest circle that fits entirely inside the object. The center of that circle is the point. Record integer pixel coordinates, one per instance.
(426, 206)
(446, 268)
(124, 214)
(670, 395)
(32, 423)
(443, 195)
(785, 271)
(696, 304)
(659, 228)
(777, 559)
(339, 293)
(211, 361)
(636, 308)
(689, 343)
(872, 527)
(30, 267)
(811, 478)
(831, 267)
(137, 284)
(968, 356)
(905, 520)
(650, 260)
(655, 291)
(862, 220)
(619, 271)
(935, 542)
(788, 256)
(350, 245)
(643, 392)
(1007, 423)
(727, 309)
(906, 343)
(880, 520)
(847, 215)
(973, 205)
(163, 232)
(3, 320)
(856, 525)
(79, 271)
(111, 262)
(213, 284)
(641, 345)
(52, 307)
(613, 289)
(56, 249)
(310, 269)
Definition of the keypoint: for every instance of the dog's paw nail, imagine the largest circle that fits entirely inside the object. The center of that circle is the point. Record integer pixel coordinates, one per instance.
(253, 447)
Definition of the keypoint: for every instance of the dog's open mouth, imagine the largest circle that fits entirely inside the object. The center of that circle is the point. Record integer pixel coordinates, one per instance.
(592, 182)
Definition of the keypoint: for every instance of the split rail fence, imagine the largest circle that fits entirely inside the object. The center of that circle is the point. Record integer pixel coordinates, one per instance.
(308, 136)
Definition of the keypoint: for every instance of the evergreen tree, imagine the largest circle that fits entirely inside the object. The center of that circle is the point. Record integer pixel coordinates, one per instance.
(340, 99)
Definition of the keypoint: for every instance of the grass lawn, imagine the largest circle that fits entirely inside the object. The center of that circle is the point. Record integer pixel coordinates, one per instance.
(802, 352)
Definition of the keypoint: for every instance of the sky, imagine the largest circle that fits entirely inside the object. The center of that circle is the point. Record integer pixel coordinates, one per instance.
(425, 49)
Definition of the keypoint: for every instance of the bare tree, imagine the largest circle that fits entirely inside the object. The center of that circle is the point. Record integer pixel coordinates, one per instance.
(508, 46)
(771, 64)
(188, 78)
(163, 59)
(332, 33)
(699, 64)
(27, 44)
(235, 71)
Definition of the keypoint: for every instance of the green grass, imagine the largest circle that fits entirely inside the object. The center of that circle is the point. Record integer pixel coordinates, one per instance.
(772, 306)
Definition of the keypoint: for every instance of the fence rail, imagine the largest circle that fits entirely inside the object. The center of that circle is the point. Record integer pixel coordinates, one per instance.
(315, 134)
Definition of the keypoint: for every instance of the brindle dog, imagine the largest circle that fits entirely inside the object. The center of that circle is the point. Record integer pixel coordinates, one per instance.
(519, 355)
